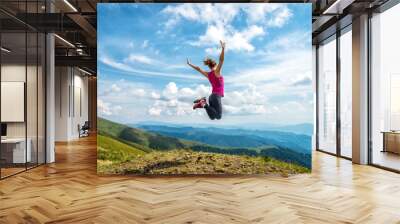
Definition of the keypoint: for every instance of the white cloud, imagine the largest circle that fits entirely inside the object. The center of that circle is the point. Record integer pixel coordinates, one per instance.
(302, 81)
(103, 108)
(235, 40)
(218, 18)
(179, 101)
(247, 109)
(106, 109)
(137, 58)
(257, 13)
(248, 95)
(138, 92)
(241, 40)
(170, 91)
(205, 13)
(115, 88)
(172, 107)
(275, 15)
(186, 11)
(154, 111)
(252, 32)
(247, 101)
(212, 36)
(118, 65)
(155, 95)
(176, 101)
(122, 91)
(280, 18)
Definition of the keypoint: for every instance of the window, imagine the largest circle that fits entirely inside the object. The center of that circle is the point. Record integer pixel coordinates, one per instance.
(327, 96)
(346, 93)
(385, 89)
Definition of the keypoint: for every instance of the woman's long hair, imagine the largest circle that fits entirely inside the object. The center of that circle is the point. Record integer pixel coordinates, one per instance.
(209, 62)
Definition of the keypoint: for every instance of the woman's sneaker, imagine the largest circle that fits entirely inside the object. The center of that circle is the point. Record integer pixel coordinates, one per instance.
(200, 103)
(198, 100)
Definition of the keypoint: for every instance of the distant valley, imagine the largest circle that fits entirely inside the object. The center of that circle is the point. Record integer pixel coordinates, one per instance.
(235, 137)
(302, 128)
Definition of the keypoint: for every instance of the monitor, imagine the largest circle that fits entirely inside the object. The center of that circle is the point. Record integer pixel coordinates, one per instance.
(3, 129)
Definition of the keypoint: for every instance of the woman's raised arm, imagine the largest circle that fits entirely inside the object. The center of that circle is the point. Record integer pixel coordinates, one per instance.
(221, 59)
(197, 68)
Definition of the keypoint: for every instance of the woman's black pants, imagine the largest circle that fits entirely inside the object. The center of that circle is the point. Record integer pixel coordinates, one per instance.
(214, 106)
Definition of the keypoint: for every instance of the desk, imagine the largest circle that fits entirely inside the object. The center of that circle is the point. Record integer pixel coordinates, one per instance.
(391, 141)
(15, 148)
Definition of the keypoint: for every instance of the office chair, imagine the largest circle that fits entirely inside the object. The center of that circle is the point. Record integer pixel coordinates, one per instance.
(84, 130)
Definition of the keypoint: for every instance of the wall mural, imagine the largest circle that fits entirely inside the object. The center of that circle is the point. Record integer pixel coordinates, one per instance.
(204, 88)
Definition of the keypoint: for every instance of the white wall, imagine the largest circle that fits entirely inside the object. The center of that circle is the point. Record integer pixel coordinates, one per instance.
(62, 81)
(71, 94)
(17, 73)
(80, 110)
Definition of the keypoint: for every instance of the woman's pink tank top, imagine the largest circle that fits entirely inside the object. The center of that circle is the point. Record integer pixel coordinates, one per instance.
(217, 83)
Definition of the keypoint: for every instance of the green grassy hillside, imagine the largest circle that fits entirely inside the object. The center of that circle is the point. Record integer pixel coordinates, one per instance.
(113, 150)
(137, 138)
(190, 162)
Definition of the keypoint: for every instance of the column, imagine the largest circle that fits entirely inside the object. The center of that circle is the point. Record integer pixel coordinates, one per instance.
(360, 90)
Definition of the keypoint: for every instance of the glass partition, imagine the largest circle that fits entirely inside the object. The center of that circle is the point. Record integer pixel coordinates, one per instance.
(385, 89)
(22, 77)
(327, 96)
(13, 109)
(346, 93)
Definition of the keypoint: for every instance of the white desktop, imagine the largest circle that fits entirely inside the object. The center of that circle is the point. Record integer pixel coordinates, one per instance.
(12, 104)
(18, 149)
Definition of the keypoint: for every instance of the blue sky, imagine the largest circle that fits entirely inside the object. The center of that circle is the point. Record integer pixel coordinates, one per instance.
(143, 76)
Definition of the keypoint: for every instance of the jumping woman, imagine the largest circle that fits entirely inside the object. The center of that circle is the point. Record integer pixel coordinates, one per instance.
(214, 76)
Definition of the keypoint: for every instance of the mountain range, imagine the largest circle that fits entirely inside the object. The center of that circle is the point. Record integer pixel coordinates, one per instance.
(235, 137)
(302, 128)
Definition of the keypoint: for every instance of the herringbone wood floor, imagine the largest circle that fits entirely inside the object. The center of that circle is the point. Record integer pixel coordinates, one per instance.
(69, 191)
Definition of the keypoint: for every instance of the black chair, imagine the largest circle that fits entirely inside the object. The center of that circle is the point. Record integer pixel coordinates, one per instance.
(84, 130)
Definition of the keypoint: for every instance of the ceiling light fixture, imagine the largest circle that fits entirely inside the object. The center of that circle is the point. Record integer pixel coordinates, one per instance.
(79, 51)
(65, 41)
(5, 50)
(70, 5)
(84, 71)
(337, 7)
